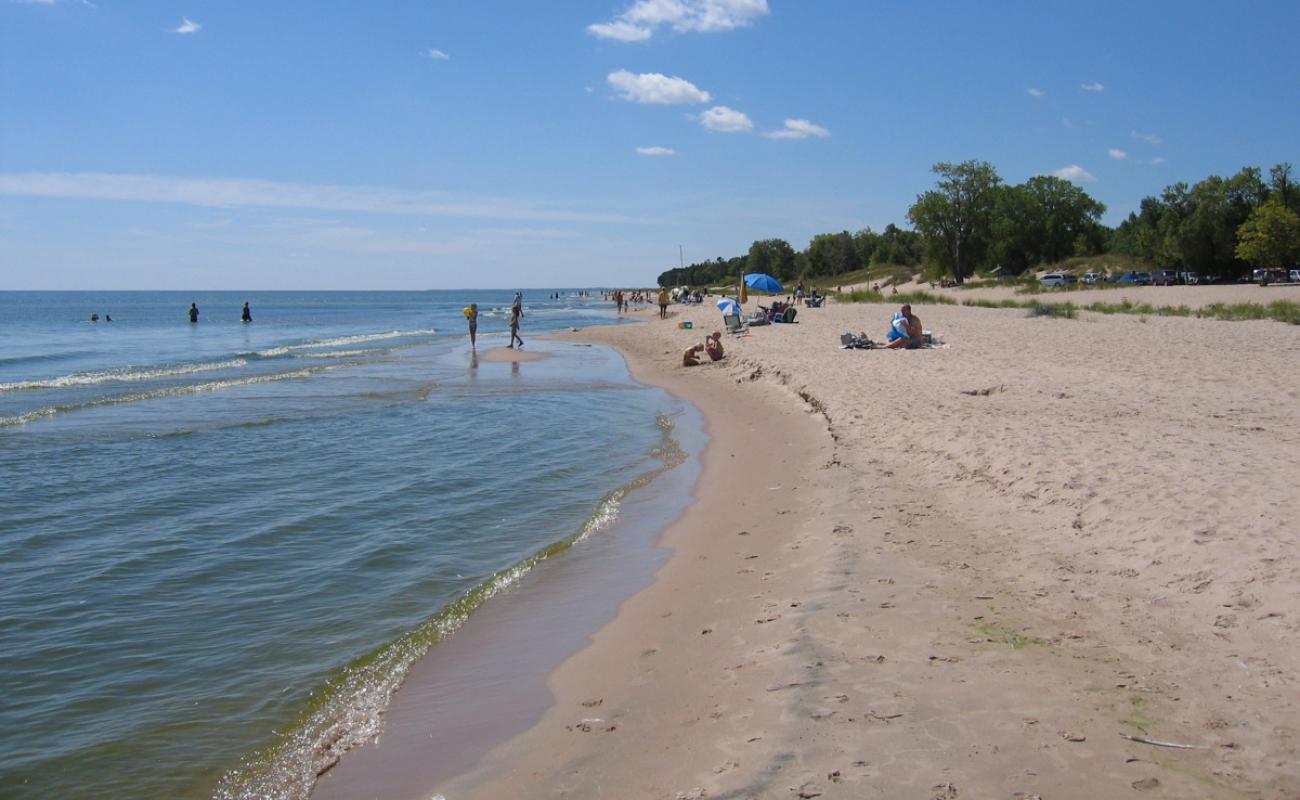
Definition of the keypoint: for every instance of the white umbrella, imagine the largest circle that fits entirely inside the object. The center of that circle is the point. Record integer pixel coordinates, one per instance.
(728, 305)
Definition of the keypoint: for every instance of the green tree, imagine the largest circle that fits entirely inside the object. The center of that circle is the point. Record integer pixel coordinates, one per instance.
(773, 256)
(1281, 188)
(832, 254)
(956, 218)
(1270, 237)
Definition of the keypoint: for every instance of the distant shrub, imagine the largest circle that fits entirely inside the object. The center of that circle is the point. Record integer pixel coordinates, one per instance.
(917, 298)
(1060, 310)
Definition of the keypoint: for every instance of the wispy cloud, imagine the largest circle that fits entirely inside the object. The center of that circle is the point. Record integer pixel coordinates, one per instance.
(798, 129)
(1092, 87)
(1075, 174)
(725, 120)
(1149, 138)
(187, 26)
(652, 87)
(438, 55)
(1034, 91)
(1158, 160)
(252, 193)
(644, 17)
(1117, 154)
(656, 151)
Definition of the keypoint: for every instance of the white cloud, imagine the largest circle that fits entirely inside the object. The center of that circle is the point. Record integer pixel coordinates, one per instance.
(438, 55)
(1075, 174)
(651, 87)
(1149, 138)
(620, 31)
(656, 151)
(253, 193)
(187, 26)
(644, 17)
(798, 129)
(1092, 87)
(725, 120)
(1034, 91)
(1158, 160)
(1117, 154)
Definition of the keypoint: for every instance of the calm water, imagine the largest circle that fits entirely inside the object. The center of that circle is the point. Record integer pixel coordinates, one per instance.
(222, 545)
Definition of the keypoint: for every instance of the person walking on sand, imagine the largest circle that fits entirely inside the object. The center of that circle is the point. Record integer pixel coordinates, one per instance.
(515, 314)
(246, 315)
(663, 304)
(194, 313)
(471, 316)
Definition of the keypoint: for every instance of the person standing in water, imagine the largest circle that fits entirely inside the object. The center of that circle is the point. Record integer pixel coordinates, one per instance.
(515, 314)
(471, 316)
(246, 315)
(194, 313)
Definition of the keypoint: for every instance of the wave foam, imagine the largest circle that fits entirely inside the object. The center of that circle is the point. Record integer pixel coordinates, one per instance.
(120, 375)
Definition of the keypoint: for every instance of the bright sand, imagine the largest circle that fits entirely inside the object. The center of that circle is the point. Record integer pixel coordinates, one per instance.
(967, 572)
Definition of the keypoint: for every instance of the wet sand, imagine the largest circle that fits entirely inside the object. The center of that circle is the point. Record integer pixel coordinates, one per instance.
(512, 355)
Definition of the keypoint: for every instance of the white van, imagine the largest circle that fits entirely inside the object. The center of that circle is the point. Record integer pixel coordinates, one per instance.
(1053, 279)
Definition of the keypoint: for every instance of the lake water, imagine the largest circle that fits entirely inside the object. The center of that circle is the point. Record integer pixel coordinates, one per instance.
(222, 545)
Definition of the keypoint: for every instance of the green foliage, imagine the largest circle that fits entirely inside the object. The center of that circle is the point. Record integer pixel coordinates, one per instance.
(1270, 237)
(1058, 310)
(772, 256)
(1197, 227)
(956, 218)
(1281, 310)
(913, 298)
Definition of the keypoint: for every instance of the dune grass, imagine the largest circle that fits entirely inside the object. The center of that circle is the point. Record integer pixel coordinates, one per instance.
(1281, 310)
(917, 298)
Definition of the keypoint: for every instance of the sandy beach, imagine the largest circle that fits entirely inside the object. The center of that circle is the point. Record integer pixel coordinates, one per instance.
(1055, 559)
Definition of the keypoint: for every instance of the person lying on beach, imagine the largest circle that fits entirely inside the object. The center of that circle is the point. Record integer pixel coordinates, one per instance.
(904, 330)
(713, 346)
(691, 355)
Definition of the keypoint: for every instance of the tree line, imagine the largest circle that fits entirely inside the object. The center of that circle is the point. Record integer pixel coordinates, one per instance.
(973, 222)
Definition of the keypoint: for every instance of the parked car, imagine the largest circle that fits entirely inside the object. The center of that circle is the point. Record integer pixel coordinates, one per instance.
(1164, 277)
(1142, 278)
(1122, 277)
(1294, 276)
(1189, 278)
(1053, 279)
(1094, 277)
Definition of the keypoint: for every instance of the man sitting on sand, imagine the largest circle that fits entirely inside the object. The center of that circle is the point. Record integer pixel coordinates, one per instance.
(691, 355)
(713, 346)
(904, 330)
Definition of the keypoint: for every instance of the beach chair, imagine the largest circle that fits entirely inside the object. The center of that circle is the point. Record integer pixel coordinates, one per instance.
(735, 324)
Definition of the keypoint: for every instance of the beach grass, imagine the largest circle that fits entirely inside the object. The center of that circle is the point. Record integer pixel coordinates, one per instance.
(913, 298)
(1280, 310)
(1057, 310)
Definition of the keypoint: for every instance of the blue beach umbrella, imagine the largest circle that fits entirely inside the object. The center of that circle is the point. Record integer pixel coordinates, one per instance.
(728, 306)
(763, 282)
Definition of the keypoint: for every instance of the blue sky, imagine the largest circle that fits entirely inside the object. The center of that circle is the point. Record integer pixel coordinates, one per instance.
(193, 144)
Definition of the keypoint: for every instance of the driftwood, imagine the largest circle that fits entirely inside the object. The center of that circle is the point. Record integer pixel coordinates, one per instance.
(984, 392)
(1174, 745)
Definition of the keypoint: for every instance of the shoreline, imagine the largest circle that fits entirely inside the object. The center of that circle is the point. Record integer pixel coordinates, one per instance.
(902, 619)
(486, 682)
